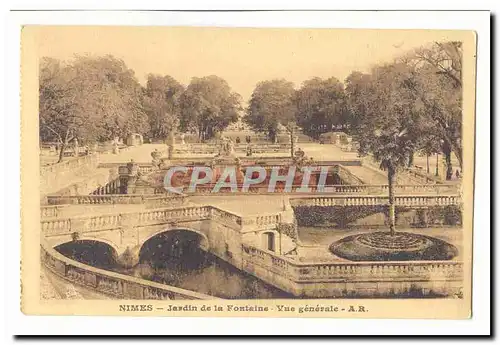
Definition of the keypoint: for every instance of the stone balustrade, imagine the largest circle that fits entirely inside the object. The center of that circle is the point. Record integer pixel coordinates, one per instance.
(374, 200)
(235, 221)
(110, 199)
(113, 284)
(89, 161)
(56, 176)
(51, 211)
(58, 226)
(161, 216)
(268, 219)
(436, 189)
(353, 271)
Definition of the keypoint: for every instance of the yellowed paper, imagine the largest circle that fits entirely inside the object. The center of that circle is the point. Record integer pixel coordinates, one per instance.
(103, 235)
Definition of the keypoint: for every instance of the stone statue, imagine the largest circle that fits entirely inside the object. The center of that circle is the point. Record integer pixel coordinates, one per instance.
(116, 149)
(77, 148)
(156, 158)
(230, 147)
(227, 147)
(182, 137)
(249, 151)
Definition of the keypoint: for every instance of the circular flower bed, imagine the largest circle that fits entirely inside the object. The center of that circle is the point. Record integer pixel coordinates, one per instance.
(402, 246)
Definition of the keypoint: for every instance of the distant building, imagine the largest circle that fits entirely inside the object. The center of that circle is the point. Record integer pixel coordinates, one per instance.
(135, 139)
(336, 138)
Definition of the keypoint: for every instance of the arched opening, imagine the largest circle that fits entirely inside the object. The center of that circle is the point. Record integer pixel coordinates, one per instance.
(181, 248)
(90, 252)
(269, 241)
(176, 257)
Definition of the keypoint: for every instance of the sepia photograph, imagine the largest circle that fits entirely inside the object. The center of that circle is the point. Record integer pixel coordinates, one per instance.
(238, 170)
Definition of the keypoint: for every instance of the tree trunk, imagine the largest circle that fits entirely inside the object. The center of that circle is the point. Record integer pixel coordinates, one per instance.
(272, 136)
(428, 168)
(458, 153)
(447, 156)
(437, 164)
(61, 151)
(449, 167)
(410, 160)
(391, 174)
(292, 144)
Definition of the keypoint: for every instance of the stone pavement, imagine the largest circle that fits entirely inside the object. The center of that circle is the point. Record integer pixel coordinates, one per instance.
(243, 205)
(140, 154)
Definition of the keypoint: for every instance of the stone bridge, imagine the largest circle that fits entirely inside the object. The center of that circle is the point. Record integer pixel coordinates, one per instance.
(220, 232)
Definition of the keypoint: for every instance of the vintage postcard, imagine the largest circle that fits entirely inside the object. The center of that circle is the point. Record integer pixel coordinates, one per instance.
(256, 172)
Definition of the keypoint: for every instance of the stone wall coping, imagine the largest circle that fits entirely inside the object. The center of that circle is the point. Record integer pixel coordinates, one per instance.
(292, 262)
(123, 277)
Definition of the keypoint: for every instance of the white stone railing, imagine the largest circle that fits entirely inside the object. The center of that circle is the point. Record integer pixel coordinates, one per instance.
(56, 176)
(109, 199)
(113, 284)
(72, 164)
(374, 200)
(51, 211)
(161, 216)
(65, 226)
(353, 271)
(435, 189)
(261, 221)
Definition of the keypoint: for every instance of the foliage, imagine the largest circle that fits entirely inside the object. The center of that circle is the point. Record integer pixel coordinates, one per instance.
(89, 99)
(271, 105)
(439, 87)
(209, 106)
(321, 106)
(387, 117)
(162, 97)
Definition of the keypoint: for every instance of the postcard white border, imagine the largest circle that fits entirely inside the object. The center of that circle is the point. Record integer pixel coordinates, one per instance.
(17, 323)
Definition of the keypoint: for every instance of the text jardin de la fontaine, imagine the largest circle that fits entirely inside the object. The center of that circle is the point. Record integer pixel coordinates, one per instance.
(243, 308)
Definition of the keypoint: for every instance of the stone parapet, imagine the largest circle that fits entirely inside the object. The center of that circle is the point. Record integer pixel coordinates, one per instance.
(113, 284)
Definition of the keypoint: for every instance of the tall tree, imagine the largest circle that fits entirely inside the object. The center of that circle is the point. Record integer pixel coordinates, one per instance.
(387, 118)
(439, 87)
(162, 104)
(271, 105)
(358, 90)
(209, 106)
(320, 106)
(89, 99)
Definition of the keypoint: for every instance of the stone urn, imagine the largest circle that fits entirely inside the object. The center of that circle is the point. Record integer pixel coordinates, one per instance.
(132, 168)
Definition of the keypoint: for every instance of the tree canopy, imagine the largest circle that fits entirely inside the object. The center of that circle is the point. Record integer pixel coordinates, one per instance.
(271, 104)
(320, 106)
(162, 103)
(89, 99)
(209, 106)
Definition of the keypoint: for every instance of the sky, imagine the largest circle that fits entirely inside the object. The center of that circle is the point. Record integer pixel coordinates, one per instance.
(242, 56)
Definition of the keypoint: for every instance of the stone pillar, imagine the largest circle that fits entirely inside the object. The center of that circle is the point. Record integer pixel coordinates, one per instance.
(133, 170)
(423, 217)
(129, 257)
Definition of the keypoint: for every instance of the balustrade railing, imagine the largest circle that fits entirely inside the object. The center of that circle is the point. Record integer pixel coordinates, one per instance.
(410, 200)
(436, 189)
(71, 164)
(51, 211)
(353, 271)
(107, 199)
(59, 226)
(113, 284)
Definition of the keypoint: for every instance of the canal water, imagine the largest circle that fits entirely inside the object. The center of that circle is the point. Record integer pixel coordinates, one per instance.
(187, 267)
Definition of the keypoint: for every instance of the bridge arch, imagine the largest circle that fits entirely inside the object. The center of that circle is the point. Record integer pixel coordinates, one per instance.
(92, 251)
(67, 240)
(204, 243)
